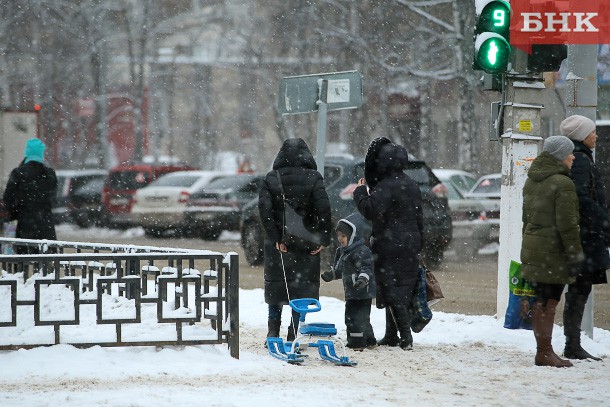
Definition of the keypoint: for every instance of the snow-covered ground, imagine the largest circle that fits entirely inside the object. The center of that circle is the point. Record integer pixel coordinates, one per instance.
(457, 360)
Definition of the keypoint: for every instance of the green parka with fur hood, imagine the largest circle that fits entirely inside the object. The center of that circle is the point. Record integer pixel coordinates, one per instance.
(551, 235)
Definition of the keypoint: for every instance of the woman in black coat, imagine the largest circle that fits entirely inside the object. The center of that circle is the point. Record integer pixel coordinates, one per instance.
(288, 268)
(594, 230)
(393, 204)
(29, 196)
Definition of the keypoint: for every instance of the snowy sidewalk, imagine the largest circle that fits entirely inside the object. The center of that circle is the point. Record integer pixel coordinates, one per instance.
(457, 361)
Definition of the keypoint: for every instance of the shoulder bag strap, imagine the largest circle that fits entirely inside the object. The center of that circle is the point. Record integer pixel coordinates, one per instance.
(279, 180)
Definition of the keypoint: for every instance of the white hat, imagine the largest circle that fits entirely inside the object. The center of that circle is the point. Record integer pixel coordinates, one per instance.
(577, 127)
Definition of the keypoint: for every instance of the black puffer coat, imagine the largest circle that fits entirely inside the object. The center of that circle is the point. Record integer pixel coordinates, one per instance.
(29, 196)
(394, 206)
(304, 187)
(594, 219)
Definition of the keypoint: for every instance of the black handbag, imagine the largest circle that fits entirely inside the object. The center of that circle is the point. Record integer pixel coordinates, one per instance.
(296, 235)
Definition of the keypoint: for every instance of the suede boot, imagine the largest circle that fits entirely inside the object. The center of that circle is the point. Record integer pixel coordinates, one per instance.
(542, 323)
(273, 329)
(391, 332)
(403, 321)
(572, 319)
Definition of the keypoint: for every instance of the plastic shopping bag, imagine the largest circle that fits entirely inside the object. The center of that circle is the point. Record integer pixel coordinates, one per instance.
(520, 300)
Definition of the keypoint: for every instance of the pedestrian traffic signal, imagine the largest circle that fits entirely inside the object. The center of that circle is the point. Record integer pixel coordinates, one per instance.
(491, 36)
(546, 57)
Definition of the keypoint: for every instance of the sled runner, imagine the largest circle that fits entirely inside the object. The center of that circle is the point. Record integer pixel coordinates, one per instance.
(316, 335)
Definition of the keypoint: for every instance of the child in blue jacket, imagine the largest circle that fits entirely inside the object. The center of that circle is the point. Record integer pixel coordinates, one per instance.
(354, 265)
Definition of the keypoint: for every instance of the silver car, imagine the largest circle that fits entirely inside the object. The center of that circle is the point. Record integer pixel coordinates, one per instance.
(472, 229)
(161, 205)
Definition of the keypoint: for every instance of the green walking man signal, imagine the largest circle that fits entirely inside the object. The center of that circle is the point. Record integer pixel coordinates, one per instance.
(492, 36)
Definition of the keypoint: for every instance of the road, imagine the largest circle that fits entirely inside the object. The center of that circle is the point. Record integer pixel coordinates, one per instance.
(469, 288)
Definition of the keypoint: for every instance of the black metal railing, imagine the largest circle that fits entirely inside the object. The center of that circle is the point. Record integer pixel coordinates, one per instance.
(195, 291)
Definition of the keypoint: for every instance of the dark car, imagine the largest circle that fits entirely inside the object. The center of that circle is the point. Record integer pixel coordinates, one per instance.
(86, 204)
(68, 182)
(217, 206)
(341, 174)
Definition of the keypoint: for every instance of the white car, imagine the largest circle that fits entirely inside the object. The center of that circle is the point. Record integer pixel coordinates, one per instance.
(161, 205)
(462, 180)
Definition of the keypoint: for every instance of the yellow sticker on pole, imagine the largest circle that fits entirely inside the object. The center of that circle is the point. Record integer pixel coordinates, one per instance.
(525, 126)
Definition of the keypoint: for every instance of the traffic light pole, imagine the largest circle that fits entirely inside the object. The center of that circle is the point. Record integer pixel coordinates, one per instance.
(582, 99)
(521, 142)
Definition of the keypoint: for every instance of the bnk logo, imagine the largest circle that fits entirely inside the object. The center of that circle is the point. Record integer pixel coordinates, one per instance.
(559, 22)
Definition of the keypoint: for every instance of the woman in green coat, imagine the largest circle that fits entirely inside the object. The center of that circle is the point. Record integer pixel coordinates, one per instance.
(551, 252)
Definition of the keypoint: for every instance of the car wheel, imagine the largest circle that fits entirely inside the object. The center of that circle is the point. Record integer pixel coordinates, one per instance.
(152, 232)
(210, 234)
(83, 221)
(253, 243)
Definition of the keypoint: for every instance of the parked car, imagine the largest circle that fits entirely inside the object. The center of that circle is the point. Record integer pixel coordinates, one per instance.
(487, 192)
(341, 174)
(462, 180)
(161, 205)
(68, 182)
(86, 204)
(471, 228)
(121, 185)
(218, 205)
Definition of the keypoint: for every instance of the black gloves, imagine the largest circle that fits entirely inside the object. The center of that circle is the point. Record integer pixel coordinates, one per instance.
(327, 276)
(576, 268)
(361, 282)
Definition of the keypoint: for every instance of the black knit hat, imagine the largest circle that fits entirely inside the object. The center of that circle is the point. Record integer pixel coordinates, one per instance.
(344, 228)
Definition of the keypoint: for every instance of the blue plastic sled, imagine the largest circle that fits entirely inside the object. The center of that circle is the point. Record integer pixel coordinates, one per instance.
(309, 335)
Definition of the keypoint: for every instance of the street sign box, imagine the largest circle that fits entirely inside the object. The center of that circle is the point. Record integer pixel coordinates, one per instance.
(300, 94)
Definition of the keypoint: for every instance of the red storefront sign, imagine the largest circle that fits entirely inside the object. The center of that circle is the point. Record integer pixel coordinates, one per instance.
(559, 22)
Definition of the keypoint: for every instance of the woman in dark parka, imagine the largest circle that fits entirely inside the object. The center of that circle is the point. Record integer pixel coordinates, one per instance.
(304, 187)
(29, 196)
(594, 230)
(551, 253)
(394, 206)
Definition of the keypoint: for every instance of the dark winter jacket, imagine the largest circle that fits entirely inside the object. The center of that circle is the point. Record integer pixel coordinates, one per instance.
(551, 240)
(28, 197)
(594, 219)
(394, 207)
(304, 188)
(355, 260)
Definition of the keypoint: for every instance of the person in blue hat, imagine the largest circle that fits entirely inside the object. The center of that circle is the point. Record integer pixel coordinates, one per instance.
(29, 196)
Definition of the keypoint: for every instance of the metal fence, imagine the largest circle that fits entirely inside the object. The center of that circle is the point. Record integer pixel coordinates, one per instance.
(103, 285)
